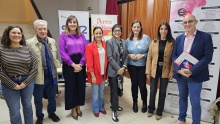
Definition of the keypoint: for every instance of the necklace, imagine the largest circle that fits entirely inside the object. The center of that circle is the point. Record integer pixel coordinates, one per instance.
(99, 45)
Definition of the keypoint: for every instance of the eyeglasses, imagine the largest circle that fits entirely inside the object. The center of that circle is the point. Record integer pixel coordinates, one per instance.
(189, 22)
(117, 31)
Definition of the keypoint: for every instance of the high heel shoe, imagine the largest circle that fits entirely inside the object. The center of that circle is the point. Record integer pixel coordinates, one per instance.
(103, 112)
(79, 113)
(74, 114)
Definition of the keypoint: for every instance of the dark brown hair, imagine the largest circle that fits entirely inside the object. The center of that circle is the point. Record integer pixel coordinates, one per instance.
(140, 35)
(169, 34)
(95, 28)
(116, 26)
(71, 17)
(5, 40)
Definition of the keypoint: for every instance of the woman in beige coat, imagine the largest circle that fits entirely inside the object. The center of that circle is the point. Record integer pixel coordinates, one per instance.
(159, 65)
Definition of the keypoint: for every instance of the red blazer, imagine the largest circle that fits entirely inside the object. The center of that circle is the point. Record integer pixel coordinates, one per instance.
(93, 63)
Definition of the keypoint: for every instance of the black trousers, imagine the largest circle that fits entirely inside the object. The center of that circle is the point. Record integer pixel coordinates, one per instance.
(153, 92)
(113, 81)
(138, 79)
(74, 84)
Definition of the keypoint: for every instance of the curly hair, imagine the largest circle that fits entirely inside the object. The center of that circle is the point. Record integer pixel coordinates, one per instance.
(5, 40)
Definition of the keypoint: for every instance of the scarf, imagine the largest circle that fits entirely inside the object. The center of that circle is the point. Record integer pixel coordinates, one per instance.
(120, 50)
(48, 61)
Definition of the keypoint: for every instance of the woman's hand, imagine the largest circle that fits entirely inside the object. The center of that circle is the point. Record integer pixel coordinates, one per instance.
(121, 71)
(139, 56)
(93, 79)
(77, 67)
(132, 56)
(170, 76)
(148, 76)
(22, 85)
(17, 87)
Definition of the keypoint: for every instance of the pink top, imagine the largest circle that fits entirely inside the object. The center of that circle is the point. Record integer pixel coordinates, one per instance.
(189, 41)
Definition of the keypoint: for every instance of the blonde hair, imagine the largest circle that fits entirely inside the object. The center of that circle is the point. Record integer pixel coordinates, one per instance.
(71, 17)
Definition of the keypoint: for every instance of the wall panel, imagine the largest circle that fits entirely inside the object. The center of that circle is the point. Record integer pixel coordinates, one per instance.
(150, 12)
(124, 18)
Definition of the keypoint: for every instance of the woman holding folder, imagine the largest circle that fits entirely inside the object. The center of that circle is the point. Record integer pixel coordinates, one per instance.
(159, 65)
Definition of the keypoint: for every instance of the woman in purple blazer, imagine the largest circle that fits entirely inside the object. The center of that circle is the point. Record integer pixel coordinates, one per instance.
(72, 46)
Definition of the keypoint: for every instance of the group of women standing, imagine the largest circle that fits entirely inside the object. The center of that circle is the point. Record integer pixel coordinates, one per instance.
(110, 59)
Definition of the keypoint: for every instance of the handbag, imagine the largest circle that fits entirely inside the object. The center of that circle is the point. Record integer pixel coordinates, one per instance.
(120, 85)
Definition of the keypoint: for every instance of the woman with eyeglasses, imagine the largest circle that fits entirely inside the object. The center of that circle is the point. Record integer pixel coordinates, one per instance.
(159, 66)
(97, 61)
(117, 58)
(137, 46)
(18, 67)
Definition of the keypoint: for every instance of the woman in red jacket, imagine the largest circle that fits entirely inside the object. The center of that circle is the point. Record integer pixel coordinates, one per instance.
(97, 61)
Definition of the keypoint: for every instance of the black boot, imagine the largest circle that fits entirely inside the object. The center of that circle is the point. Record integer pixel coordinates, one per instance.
(135, 107)
(144, 107)
(39, 120)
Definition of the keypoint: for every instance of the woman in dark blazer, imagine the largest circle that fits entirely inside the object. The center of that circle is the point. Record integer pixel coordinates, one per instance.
(97, 62)
(159, 65)
(117, 58)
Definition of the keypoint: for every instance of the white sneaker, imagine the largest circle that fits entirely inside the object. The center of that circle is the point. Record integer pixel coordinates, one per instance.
(115, 116)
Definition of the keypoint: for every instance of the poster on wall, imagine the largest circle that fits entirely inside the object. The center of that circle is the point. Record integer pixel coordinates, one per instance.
(82, 17)
(105, 22)
(207, 13)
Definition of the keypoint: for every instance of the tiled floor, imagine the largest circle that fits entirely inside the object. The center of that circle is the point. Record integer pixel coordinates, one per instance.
(127, 116)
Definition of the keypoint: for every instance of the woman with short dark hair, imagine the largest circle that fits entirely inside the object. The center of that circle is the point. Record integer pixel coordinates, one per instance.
(117, 58)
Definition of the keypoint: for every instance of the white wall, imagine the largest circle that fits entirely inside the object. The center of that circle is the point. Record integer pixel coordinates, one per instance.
(102, 6)
(49, 12)
(98, 6)
(82, 5)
